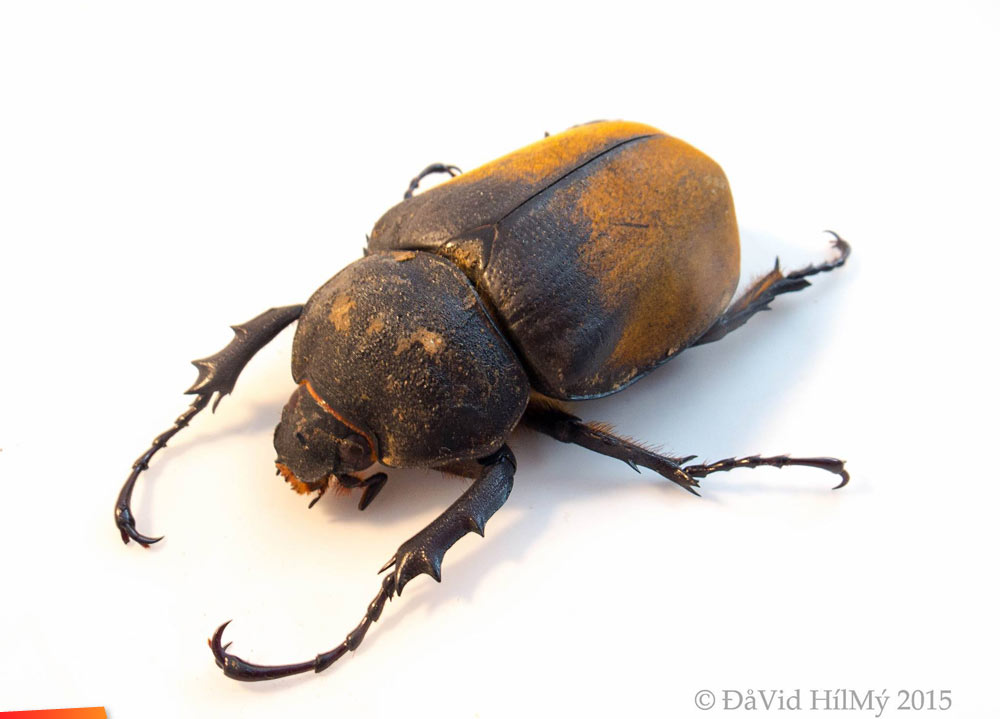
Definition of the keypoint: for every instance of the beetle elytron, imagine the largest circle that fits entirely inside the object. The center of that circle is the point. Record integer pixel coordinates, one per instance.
(564, 271)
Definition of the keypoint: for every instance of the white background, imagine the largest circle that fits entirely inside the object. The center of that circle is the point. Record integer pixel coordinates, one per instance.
(168, 170)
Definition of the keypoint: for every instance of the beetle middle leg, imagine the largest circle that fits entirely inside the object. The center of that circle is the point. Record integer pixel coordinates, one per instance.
(216, 375)
(829, 464)
(429, 170)
(548, 418)
(420, 554)
(758, 296)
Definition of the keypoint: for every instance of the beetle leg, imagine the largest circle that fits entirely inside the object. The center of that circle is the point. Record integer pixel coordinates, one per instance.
(429, 170)
(757, 297)
(216, 375)
(421, 554)
(548, 418)
(237, 668)
(830, 464)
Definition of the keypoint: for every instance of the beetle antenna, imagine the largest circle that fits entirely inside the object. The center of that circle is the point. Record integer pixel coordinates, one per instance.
(236, 668)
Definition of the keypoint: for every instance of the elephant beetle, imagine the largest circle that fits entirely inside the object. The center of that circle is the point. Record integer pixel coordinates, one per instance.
(566, 270)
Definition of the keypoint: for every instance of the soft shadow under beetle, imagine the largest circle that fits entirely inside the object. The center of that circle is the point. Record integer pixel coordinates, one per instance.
(564, 271)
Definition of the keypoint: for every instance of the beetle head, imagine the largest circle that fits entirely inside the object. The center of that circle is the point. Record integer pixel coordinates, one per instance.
(314, 445)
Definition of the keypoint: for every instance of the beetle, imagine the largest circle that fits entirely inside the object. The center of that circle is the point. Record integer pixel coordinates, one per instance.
(566, 270)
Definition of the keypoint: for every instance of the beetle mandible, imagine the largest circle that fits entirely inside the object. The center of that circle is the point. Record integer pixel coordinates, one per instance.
(566, 270)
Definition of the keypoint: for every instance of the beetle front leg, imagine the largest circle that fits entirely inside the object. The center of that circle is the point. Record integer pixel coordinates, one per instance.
(421, 554)
(216, 375)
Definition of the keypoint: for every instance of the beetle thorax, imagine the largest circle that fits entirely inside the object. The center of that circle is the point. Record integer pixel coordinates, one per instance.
(399, 348)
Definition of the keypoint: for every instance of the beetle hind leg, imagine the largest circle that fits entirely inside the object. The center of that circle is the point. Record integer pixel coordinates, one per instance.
(216, 375)
(759, 295)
